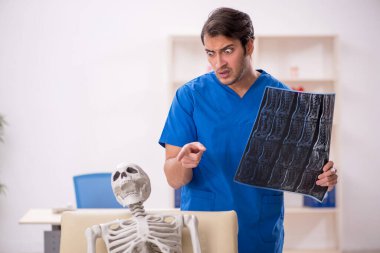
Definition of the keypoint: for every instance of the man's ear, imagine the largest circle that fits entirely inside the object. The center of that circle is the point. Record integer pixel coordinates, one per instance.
(249, 47)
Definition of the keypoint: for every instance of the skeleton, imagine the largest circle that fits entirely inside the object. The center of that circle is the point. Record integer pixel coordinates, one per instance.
(142, 233)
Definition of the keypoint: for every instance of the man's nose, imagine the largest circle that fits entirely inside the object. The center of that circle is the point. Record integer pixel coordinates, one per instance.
(219, 61)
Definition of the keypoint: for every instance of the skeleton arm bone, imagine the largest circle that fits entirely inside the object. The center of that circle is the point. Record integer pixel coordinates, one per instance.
(92, 234)
(191, 222)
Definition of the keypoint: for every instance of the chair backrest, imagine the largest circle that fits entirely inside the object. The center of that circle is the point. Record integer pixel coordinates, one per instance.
(94, 191)
(217, 230)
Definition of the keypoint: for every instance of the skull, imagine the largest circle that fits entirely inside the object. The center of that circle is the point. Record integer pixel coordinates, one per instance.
(130, 184)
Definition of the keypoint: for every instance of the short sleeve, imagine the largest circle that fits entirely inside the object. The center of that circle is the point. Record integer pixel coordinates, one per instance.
(179, 127)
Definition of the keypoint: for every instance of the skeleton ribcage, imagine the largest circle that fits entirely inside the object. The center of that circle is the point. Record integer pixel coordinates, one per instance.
(152, 233)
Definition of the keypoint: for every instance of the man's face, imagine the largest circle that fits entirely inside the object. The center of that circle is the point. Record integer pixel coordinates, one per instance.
(227, 58)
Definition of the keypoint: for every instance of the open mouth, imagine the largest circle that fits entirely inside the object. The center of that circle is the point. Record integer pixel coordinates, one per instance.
(224, 73)
(128, 189)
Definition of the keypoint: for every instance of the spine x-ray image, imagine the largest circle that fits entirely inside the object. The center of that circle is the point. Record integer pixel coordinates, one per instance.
(289, 143)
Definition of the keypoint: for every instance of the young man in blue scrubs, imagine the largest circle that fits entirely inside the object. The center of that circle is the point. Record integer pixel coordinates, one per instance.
(217, 111)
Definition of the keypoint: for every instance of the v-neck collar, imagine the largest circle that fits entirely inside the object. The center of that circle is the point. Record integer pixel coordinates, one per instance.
(231, 91)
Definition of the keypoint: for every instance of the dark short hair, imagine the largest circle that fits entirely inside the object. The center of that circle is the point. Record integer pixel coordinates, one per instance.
(230, 23)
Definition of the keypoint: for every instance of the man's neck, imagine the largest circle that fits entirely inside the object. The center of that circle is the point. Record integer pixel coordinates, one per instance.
(243, 85)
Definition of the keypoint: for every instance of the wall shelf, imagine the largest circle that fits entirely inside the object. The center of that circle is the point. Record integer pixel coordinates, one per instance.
(310, 210)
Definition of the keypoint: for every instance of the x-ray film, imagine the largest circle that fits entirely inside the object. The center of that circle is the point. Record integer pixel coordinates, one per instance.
(289, 142)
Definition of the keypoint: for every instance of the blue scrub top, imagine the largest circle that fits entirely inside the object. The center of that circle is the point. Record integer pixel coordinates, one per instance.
(207, 111)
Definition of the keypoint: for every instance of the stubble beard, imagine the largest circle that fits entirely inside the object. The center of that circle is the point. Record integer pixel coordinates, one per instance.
(243, 70)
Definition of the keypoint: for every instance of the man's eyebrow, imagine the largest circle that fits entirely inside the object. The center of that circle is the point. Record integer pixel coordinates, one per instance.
(222, 49)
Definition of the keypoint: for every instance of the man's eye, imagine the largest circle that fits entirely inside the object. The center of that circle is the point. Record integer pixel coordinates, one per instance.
(228, 51)
(210, 53)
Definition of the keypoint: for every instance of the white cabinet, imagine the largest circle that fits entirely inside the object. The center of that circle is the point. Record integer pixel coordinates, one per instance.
(307, 63)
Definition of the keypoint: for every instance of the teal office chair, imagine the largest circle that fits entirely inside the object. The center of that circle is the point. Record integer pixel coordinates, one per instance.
(94, 191)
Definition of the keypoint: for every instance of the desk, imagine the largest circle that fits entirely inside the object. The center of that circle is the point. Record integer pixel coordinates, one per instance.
(48, 217)
(42, 216)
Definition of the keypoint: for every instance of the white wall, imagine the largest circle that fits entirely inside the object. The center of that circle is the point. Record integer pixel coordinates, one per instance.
(84, 86)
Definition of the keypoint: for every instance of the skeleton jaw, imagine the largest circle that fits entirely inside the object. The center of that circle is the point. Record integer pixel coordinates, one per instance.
(129, 198)
(128, 193)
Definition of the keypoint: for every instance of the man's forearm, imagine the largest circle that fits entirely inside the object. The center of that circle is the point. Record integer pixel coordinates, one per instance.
(176, 175)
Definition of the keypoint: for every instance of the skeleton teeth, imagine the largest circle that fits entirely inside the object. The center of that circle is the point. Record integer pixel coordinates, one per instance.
(127, 194)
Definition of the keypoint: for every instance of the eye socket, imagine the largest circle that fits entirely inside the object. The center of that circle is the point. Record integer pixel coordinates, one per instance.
(131, 170)
(209, 53)
(116, 176)
(228, 51)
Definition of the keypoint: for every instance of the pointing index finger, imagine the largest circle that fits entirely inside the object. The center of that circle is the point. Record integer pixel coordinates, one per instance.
(194, 147)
